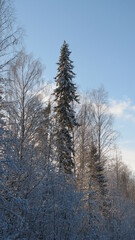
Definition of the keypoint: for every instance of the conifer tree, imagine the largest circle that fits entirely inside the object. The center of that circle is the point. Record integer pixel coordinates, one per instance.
(65, 96)
(97, 171)
(98, 181)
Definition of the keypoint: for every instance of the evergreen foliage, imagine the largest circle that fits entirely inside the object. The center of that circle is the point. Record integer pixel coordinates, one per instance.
(97, 170)
(65, 96)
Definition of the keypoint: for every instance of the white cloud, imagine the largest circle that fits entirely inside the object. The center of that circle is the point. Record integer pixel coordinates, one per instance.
(128, 156)
(133, 108)
(123, 109)
(118, 108)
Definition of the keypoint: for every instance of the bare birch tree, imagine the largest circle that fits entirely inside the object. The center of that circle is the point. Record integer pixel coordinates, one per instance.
(9, 34)
(23, 113)
(102, 124)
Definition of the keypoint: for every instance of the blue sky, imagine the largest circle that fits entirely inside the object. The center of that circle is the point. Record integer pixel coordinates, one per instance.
(101, 36)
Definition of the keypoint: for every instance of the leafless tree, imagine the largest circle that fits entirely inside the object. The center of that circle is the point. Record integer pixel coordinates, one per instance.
(102, 124)
(82, 139)
(96, 125)
(9, 34)
(22, 115)
(23, 106)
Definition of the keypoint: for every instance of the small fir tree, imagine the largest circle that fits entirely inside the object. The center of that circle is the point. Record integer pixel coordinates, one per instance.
(65, 96)
(97, 171)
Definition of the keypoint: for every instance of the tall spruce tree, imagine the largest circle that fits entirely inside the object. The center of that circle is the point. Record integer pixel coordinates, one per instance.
(65, 96)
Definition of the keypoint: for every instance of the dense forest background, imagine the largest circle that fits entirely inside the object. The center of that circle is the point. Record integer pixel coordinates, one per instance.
(61, 170)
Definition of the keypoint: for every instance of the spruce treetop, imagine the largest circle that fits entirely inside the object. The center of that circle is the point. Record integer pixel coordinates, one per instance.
(65, 92)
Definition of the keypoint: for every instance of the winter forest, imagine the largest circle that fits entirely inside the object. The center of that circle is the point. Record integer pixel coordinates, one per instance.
(61, 172)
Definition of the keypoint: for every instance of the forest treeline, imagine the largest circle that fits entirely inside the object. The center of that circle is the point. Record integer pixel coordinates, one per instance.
(61, 171)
